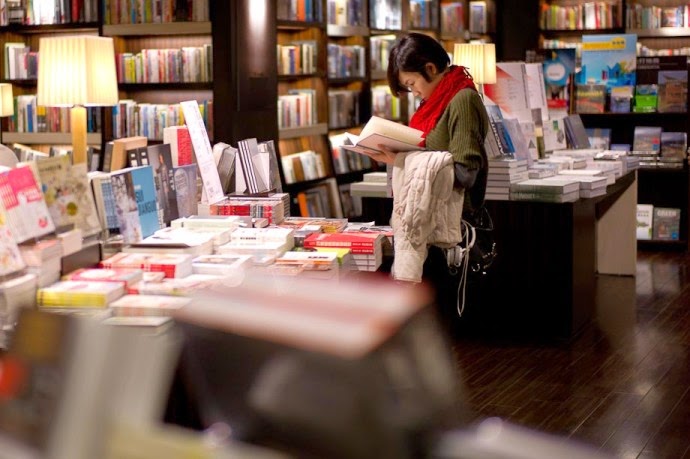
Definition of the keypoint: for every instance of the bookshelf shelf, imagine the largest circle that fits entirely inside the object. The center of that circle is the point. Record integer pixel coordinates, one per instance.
(34, 138)
(165, 28)
(306, 131)
(165, 86)
(656, 244)
(661, 32)
(345, 81)
(78, 27)
(284, 24)
(347, 31)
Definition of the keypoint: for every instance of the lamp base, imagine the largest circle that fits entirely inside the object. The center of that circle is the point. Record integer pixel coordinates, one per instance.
(78, 127)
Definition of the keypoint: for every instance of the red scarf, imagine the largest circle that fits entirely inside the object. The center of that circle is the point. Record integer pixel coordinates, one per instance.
(431, 109)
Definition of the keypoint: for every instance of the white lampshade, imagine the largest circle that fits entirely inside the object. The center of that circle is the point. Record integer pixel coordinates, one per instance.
(76, 70)
(480, 60)
(6, 100)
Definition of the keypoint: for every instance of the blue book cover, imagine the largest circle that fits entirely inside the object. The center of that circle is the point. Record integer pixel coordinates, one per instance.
(609, 59)
(145, 194)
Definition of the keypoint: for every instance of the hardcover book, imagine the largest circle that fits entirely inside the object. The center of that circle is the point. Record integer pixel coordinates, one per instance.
(395, 136)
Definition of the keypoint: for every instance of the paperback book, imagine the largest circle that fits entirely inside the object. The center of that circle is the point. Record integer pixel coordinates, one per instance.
(645, 217)
(26, 210)
(609, 59)
(380, 131)
(74, 294)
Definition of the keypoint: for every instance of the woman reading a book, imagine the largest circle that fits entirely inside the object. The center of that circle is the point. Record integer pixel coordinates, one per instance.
(453, 119)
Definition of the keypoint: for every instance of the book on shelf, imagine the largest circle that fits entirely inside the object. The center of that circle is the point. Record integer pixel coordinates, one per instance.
(609, 59)
(647, 139)
(674, 146)
(599, 138)
(645, 218)
(662, 83)
(590, 98)
(380, 131)
(666, 224)
(620, 100)
(673, 91)
(480, 17)
(559, 70)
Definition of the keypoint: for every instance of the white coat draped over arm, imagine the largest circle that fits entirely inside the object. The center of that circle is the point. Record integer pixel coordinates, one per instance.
(427, 209)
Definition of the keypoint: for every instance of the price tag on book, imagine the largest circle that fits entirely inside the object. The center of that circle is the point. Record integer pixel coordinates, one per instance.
(213, 190)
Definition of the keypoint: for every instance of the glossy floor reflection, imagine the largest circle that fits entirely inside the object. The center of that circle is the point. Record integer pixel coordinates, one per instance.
(622, 385)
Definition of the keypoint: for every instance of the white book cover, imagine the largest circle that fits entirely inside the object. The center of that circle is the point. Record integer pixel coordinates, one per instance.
(510, 90)
(645, 215)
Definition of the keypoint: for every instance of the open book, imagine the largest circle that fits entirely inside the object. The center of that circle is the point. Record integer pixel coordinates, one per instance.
(380, 131)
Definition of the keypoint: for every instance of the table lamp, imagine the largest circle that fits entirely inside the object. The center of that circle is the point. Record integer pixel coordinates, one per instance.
(480, 60)
(77, 71)
(7, 156)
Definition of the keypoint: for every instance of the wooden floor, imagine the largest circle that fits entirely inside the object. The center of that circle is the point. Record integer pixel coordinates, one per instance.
(622, 385)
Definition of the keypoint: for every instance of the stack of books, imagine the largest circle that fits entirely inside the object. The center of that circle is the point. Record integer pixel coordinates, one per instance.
(550, 189)
(221, 265)
(147, 305)
(173, 265)
(366, 248)
(373, 184)
(175, 240)
(591, 186)
(263, 244)
(320, 265)
(124, 276)
(502, 173)
(79, 294)
(43, 258)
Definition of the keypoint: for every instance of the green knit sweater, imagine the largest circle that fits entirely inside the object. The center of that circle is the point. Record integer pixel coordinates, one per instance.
(461, 130)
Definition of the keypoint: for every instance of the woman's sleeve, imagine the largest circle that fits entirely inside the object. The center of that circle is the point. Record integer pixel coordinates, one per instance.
(467, 128)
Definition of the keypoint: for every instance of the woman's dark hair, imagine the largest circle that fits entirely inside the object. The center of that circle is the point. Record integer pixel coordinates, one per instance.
(411, 54)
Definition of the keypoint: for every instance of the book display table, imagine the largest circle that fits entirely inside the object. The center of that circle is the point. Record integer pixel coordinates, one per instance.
(542, 285)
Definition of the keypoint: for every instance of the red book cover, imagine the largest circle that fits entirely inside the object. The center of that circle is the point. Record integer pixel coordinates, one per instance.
(126, 276)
